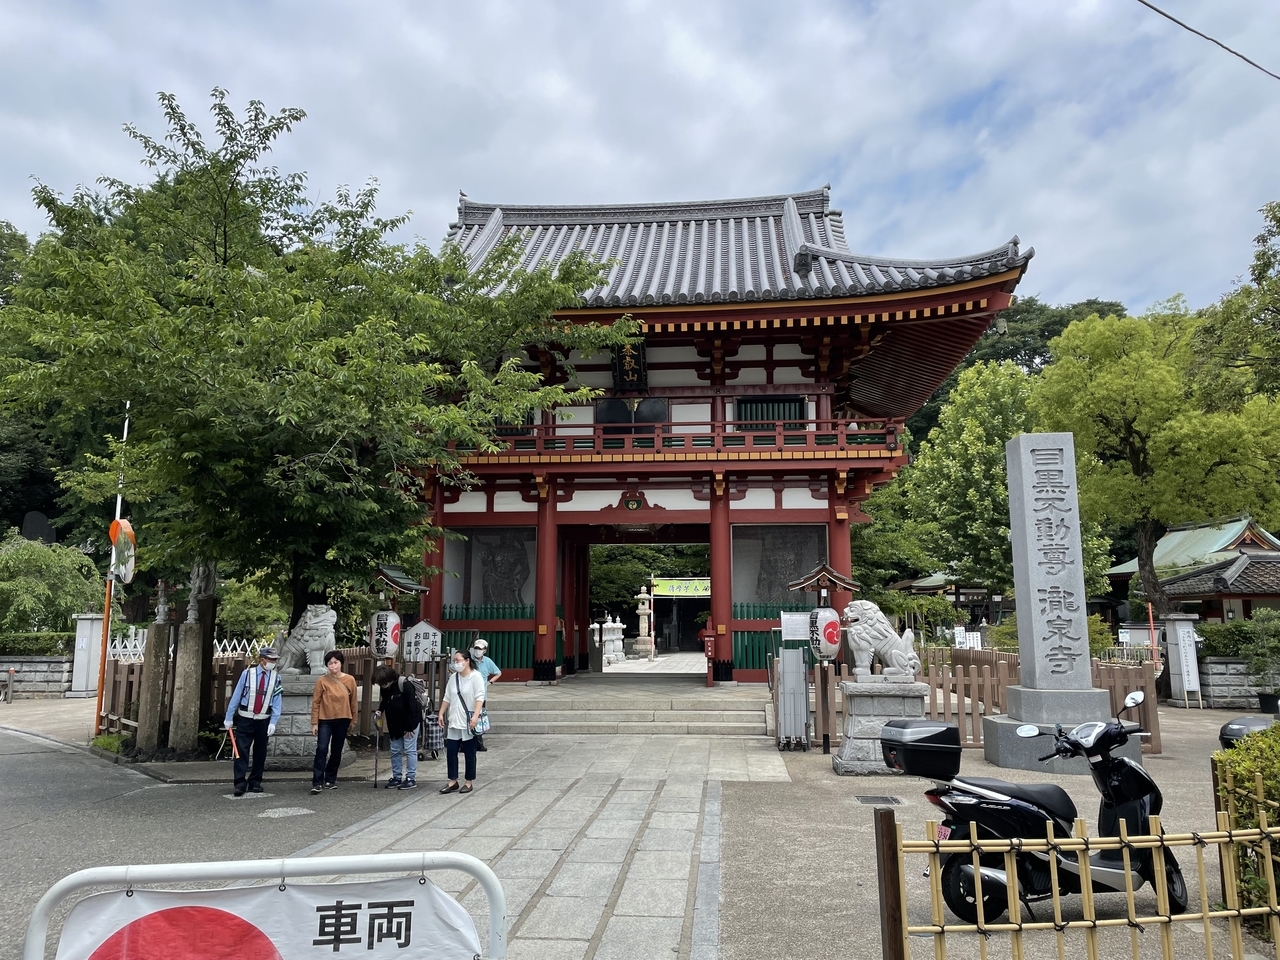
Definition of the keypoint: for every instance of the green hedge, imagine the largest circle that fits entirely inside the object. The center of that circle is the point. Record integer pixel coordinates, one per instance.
(1256, 753)
(36, 644)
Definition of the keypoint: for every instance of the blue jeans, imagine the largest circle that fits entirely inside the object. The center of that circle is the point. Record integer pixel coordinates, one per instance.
(405, 747)
(331, 735)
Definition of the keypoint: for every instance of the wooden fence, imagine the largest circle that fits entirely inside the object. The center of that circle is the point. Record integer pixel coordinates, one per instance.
(963, 692)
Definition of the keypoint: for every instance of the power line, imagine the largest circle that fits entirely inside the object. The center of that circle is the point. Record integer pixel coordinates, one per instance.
(1234, 53)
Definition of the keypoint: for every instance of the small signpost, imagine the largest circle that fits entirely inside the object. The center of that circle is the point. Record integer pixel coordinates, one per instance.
(422, 642)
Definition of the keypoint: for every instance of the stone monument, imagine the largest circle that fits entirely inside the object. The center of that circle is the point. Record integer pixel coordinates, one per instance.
(155, 666)
(184, 718)
(1053, 631)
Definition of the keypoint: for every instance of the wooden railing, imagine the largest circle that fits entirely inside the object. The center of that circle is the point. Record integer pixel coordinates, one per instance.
(976, 685)
(656, 440)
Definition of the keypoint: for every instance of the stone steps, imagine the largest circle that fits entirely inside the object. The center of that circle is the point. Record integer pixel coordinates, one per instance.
(680, 717)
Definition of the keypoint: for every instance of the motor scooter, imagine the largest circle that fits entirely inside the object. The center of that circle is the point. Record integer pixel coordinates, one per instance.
(1003, 810)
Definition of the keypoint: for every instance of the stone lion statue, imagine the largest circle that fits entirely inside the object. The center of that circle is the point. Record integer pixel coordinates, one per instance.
(304, 647)
(870, 633)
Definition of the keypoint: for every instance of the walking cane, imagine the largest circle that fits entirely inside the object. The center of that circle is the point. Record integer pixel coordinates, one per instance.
(377, 748)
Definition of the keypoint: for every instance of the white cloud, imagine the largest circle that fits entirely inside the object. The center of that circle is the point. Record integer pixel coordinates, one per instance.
(1133, 155)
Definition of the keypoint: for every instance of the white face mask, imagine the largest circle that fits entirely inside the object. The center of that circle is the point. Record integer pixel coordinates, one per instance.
(477, 653)
(456, 667)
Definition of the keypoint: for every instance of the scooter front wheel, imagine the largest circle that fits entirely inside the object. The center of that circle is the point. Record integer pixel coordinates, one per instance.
(959, 892)
(1176, 886)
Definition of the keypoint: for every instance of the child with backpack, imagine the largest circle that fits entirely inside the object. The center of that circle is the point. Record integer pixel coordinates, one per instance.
(403, 712)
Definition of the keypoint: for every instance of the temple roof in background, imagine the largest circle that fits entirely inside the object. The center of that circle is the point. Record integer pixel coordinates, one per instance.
(785, 247)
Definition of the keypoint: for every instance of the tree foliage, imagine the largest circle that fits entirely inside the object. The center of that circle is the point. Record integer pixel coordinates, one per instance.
(292, 373)
(957, 488)
(1029, 326)
(1149, 452)
(42, 585)
(619, 571)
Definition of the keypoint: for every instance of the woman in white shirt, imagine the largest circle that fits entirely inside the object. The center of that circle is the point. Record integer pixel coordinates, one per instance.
(459, 713)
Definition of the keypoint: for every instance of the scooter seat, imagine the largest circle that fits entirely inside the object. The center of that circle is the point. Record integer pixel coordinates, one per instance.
(1047, 796)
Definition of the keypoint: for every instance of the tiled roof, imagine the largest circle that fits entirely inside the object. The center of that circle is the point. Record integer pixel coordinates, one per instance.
(760, 248)
(1249, 574)
(1195, 544)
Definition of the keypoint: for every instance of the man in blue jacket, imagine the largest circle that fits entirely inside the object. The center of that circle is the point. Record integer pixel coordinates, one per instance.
(254, 710)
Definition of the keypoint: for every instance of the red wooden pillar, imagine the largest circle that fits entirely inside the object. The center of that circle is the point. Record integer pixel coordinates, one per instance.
(544, 639)
(721, 581)
(431, 605)
(839, 555)
(584, 606)
(568, 601)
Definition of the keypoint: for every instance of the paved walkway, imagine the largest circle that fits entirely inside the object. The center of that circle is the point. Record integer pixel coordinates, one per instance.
(692, 663)
(698, 848)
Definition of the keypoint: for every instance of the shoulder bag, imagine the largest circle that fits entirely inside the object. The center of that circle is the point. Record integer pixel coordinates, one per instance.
(482, 725)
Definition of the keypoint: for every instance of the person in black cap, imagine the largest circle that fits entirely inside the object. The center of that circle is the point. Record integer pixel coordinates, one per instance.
(254, 711)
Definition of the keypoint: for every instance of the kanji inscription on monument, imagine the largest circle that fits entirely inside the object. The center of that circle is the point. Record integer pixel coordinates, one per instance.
(1048, 568)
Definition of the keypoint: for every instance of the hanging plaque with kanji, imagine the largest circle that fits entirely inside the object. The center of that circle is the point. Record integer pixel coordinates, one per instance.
(630, 368)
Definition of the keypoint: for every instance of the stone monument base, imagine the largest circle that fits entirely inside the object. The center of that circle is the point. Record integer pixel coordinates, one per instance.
(867, 708)
(1002, 746)
(293, 747)
(1067, 707)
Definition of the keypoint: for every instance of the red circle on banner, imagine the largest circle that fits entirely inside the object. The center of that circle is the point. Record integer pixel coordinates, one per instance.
(831, 631)
(187, 933)
(395, 634)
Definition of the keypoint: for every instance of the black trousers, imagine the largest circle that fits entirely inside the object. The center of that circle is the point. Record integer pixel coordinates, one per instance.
(451, 757)
(251, 737)
(330, 737)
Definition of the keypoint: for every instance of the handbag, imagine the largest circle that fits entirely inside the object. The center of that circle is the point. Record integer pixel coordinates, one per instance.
(482, 725)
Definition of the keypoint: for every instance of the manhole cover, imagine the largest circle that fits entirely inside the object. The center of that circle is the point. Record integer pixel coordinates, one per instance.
(879, 801)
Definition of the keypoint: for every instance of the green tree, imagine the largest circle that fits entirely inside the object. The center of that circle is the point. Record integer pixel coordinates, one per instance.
(1238, 343)
(1028, 327)
(1149, 454)
(42, 585)
(619, 571)
(292, 373)
(892, 547)
(958, 488)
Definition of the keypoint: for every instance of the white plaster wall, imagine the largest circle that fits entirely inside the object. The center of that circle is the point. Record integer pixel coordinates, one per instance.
(756, 499)
(470, 501)
(589, 501)
(698, 415)
(510, 501)
(674, 378)
(670, 499)
(575, 421)
(789, 375)
(789, 351)
(801, 498)
(673, 355)
(751, 376)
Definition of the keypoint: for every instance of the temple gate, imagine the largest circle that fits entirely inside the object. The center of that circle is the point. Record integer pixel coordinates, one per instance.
(764, 405)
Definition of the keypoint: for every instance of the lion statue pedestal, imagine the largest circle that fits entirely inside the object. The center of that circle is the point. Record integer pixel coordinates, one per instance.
(872, 700)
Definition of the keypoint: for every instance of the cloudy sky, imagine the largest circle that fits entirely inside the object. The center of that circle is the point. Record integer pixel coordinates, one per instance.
(1133, 155)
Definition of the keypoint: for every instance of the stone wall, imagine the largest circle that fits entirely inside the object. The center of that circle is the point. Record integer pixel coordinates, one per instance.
(37, 678)
(1225, 684)
(293, 746)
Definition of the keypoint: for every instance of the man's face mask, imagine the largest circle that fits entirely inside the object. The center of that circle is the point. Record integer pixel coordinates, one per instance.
(477, 653)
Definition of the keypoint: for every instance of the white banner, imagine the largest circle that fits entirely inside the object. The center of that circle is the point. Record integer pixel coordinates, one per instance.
(402, 918)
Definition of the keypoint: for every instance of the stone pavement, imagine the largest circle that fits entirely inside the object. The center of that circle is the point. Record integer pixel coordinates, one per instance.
(691, 663)
(709, 848)
(607, 847)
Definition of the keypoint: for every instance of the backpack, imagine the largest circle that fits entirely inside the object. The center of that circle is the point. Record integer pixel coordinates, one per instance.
(420, 694)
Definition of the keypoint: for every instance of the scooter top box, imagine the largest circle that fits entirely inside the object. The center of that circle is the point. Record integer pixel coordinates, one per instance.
(922, 748)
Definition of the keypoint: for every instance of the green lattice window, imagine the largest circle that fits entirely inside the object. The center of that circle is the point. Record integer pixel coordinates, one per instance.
(764, 413)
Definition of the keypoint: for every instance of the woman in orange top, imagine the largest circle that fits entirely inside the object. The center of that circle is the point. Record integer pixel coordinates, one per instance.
(333, 707)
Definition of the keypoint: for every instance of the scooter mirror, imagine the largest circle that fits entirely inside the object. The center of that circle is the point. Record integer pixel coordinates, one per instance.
(1027, 731)
(1133, 699)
